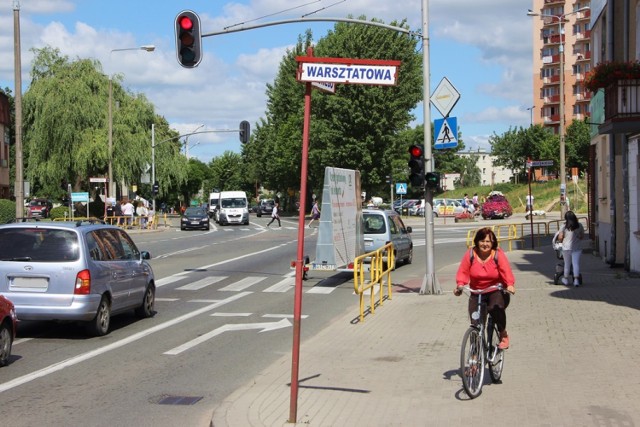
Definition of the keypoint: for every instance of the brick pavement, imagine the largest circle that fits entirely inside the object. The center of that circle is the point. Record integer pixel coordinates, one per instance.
(572, 360)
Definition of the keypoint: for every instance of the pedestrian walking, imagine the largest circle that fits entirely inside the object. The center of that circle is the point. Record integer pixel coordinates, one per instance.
(275, 215)
(530, 202)
(485, 265)
(315, 213)
(571, 234)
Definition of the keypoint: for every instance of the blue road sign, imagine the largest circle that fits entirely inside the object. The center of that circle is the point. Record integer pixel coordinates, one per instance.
(401, 188)
(446, 131)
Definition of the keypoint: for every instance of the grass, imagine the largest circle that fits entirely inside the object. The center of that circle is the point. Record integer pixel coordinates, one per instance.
(546, 195)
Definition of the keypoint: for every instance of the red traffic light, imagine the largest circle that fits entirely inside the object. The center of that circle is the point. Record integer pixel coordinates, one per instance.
(415, 151)
(185, 23)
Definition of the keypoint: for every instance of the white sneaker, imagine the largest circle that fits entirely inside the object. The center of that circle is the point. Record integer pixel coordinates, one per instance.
(576, 282)
(565, 281)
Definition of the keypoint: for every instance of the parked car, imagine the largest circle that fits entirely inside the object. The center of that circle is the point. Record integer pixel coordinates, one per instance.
(447, 207)
(265, 207)
(496, 206)
(194, 218)
(383, 226)
(40, 208)
(8, 326)
(68, 271)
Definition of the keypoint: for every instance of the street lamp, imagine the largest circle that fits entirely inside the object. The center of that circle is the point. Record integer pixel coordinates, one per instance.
(563, 173)
(530, 109)
(147, 48)
(186, 142)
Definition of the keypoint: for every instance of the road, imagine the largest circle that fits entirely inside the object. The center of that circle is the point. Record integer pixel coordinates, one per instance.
(224, 308)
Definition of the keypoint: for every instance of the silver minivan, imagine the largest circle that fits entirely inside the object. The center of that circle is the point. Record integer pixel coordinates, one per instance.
(74, 271)
(383, 226)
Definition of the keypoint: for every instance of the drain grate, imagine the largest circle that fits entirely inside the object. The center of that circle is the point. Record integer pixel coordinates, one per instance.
(179, 400)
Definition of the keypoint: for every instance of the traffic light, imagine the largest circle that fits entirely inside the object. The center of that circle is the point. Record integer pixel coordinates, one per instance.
(416, 165)
(245, 131)
(188, 39)
(156, 188)
(432, 179)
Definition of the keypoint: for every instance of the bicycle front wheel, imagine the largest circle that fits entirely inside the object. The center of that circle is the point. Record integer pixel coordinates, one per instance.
(495, 356)
(472, 362)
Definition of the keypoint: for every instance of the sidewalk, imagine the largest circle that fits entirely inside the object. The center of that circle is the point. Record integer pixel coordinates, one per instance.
(572, 362)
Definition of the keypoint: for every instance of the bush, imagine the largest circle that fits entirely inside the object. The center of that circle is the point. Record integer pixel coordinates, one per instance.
(59, 212)
(7, 211)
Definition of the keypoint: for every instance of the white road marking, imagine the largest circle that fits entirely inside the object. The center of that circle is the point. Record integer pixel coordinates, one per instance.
(202, 283)
(243, 284)
(218, 314)
(99, 351)
(282, 286)
(170, 279)
(283, 316)
(324, 290)
(270, 326)
(167, 299)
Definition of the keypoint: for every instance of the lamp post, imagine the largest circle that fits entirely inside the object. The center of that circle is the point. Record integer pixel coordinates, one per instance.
(147, 48)
(530, 109)
(563, 173)
(186, 142)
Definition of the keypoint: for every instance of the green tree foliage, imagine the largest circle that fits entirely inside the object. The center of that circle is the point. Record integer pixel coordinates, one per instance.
(196, 175)
(7, 211)
(226, 173)
(515, 146)
(577, 141)
(358, 127)
(66, 128)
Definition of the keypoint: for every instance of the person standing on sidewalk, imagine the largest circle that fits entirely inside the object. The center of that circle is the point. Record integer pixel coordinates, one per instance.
(571, 234)
(485, 265)
(315, 213)
(275, 215)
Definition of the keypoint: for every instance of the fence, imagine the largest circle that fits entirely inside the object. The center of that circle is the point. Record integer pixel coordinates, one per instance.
(380, 263)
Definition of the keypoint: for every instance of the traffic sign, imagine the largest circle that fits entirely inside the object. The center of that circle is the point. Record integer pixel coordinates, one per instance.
(80, 197)
(446, 131)
(401, 188)
(539, 163)
(98, 179)
(445, 97)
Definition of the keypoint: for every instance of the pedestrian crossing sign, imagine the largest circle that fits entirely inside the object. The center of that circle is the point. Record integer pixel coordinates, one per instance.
(401, 188)
(446, 131)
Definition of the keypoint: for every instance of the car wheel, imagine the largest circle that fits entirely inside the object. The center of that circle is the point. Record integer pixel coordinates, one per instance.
(208, 227)
(181, 228)
(6, 340)
(259, 215)
(99, 326)
(148, 303)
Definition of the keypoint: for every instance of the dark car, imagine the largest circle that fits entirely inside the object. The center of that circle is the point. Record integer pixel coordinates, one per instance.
(265, 207)
(80, 272)
(8, 322)
(194, 218)
(40, 208)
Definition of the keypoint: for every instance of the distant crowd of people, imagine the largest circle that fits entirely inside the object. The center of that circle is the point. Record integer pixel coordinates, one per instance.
(127, 210)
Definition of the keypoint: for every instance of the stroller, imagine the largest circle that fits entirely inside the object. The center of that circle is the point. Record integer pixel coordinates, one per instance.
(557, 246)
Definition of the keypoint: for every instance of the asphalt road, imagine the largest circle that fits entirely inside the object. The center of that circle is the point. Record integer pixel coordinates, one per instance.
(224, 308)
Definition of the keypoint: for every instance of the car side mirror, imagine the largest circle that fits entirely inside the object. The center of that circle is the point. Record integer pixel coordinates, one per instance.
(145, 255)
(409, 229)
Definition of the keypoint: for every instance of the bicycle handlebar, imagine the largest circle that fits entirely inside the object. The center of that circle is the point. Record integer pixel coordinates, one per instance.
(492, 288)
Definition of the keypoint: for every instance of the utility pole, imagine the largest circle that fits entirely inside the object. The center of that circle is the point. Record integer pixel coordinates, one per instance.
(19, 182)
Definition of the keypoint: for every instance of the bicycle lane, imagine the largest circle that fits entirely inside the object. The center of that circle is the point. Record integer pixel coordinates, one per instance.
(567, 364)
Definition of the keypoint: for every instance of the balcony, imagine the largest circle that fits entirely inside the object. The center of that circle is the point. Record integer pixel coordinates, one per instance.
(621, 107)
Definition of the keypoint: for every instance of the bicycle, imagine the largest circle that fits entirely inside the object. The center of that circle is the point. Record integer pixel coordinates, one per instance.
(480, 346)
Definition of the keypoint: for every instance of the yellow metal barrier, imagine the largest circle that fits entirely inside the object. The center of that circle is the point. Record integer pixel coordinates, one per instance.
(512, 232)
(377, 275)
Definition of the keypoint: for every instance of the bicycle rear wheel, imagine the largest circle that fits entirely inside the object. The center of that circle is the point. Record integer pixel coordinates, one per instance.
(472, 362)
(495, 356)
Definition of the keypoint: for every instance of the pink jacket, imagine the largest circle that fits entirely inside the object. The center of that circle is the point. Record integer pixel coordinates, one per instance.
(482, 274)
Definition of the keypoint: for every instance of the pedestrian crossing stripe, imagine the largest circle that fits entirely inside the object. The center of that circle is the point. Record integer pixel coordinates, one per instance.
(447, 133)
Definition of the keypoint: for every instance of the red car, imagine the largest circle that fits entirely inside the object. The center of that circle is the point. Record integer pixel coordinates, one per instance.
(8, 321)
(40, 208)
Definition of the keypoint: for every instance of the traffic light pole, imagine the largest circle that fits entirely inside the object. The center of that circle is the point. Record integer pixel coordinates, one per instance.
(430, 283)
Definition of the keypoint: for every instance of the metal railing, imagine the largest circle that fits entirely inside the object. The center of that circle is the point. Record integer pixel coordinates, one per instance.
(380, 263)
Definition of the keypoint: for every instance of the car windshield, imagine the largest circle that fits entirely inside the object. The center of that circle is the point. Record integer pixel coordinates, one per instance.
(38, 244)
(194, 211)
(234, 203)
(374, 224)
(37, 203)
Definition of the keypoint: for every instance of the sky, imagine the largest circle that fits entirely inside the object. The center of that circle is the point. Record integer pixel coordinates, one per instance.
(483, 48)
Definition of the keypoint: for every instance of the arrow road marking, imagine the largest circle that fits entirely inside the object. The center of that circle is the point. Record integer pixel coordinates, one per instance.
(265, 326)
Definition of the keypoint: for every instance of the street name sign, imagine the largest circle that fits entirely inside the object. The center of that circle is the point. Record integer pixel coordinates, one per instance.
(348, 71)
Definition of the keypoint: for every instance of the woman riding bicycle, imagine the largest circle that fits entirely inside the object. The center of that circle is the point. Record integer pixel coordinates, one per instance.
(484, 265)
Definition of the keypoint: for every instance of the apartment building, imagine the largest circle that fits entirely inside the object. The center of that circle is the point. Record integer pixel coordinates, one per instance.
(489, 174)
(560, 26)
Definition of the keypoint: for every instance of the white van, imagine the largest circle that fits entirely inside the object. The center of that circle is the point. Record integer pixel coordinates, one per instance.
(233, 208)
(214, 198)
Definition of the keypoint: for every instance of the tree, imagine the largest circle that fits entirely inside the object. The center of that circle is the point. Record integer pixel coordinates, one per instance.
(66, 128)
(358, 127)
(577, 143)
